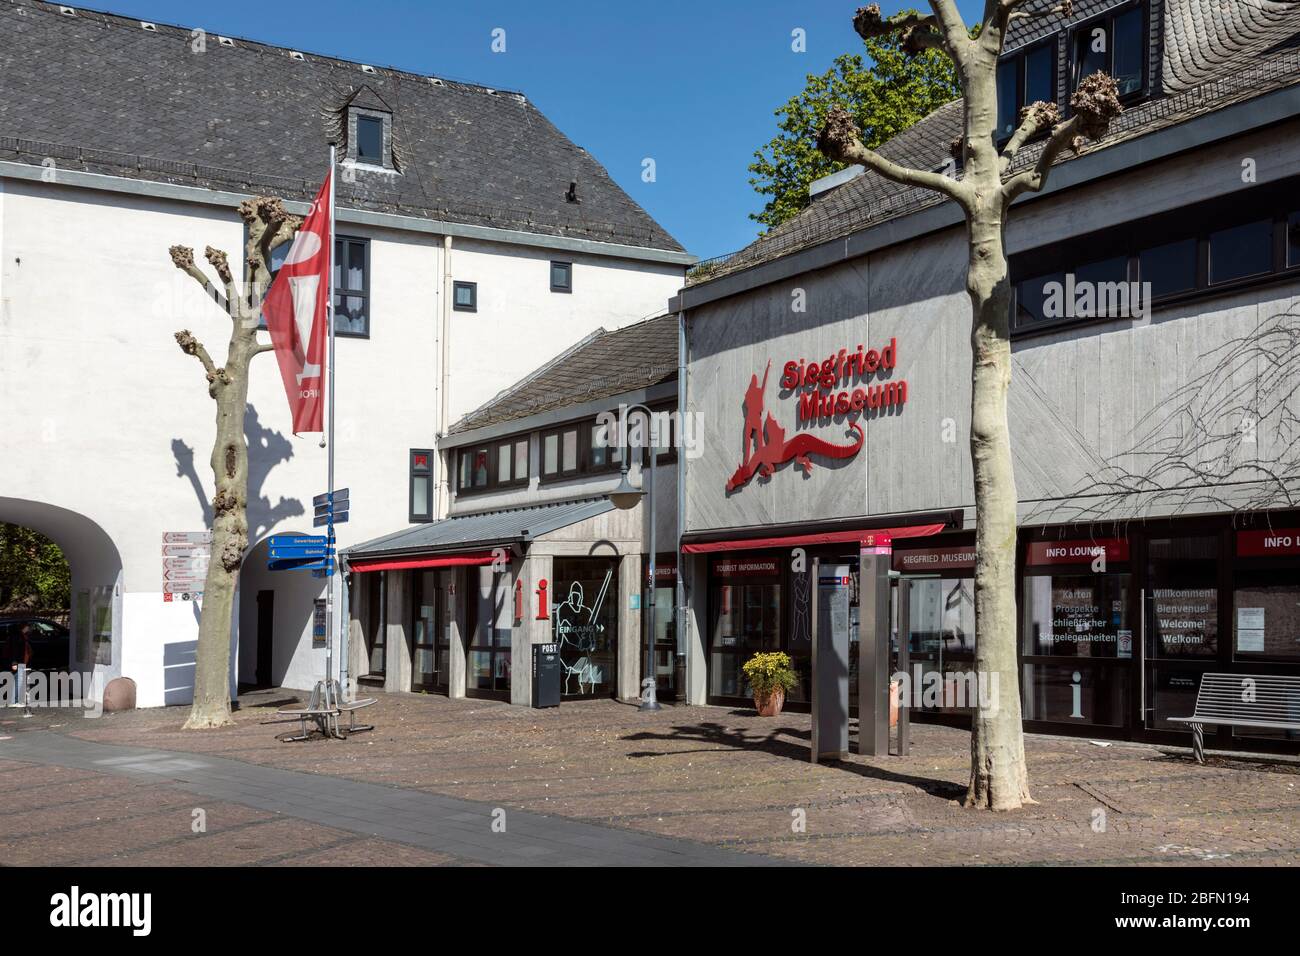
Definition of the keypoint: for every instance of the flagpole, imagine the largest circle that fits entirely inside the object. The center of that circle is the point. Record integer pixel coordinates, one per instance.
(332, 559)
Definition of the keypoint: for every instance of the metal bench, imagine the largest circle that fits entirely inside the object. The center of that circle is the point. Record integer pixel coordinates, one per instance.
(1243, 700)
(324, 708)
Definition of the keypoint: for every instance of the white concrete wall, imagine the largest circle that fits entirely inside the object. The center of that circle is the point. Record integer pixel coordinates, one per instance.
(521, 323)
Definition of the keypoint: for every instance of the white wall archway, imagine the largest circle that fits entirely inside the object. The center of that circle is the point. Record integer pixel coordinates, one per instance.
(97, 647)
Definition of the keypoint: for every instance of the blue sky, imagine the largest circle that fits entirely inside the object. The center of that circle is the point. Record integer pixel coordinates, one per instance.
(692, 85)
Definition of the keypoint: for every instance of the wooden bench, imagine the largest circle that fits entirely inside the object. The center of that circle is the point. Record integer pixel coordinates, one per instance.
(1243, 700)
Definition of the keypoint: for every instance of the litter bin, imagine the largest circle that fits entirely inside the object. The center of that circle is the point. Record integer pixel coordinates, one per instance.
(546, 675)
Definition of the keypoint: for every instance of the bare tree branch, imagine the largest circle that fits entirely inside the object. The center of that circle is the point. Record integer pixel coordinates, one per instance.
(1034, 118)
(183, 259)
(217, 259)
(264, 347)
(916, 32)
(840, 141)
(1094, 104)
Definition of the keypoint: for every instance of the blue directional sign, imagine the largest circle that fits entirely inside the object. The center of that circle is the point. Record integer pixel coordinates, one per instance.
(311, 551)
(324, 519)
(299, 565)
(297, 540)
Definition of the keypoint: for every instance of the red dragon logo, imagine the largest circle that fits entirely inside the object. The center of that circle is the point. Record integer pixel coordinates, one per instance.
(764, 444)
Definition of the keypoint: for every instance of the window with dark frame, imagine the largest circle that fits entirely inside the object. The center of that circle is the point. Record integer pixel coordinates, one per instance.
(465, 296)
(590, 448)
(351, 286)
(1218, 245)
(495, 465)
(370, 140)
(1024, 78)
(421, 485)
(1114, 43)
(561, 276)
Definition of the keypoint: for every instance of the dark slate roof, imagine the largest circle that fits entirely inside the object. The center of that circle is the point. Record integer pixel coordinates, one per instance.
(1204, 36)
(1026, 30)
(602, 365)
(483, 530)
(99, 92)
(1251, 65)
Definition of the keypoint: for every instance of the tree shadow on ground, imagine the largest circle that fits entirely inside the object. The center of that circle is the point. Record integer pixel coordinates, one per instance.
(720, 737)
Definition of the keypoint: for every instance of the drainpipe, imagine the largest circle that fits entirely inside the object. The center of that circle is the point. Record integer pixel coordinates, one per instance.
(683, 692)
(442, 487)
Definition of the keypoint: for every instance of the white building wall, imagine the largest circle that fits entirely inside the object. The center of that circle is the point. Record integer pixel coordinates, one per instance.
(101, 414)
(520, 323)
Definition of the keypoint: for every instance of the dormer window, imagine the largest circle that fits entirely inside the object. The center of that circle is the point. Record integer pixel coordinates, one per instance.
(370, 140)
(370, 131)
(1023, 78)
(1114, 43)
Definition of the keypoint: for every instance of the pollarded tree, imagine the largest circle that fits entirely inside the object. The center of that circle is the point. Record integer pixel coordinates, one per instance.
(985, 192)
(268, 227)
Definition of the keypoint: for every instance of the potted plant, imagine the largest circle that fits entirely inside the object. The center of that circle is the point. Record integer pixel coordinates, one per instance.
(770, 676)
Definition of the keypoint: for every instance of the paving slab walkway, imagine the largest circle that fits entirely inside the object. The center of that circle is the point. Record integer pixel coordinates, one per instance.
(447, 825)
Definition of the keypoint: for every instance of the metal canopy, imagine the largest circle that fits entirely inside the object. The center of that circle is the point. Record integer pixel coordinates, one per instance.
(484, 529)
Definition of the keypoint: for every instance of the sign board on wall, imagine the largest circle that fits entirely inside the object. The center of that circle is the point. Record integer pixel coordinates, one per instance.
(925, 560)
(1279, 542)
(845, 388)
(1082, 551)
(186, 556)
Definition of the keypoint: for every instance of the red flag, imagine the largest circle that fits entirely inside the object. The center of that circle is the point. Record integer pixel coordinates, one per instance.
(297, 309)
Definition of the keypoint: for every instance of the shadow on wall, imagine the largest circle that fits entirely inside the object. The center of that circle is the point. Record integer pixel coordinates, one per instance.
(267, 448)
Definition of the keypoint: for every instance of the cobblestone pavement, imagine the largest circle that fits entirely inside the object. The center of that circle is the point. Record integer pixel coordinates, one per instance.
(712, 775)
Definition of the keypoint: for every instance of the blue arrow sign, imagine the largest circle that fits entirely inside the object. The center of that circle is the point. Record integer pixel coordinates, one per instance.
(297, 540)
(324, 519)
(321, 565)
(298, 554)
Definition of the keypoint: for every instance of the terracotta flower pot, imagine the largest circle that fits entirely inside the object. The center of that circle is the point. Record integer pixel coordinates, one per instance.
(769, 704)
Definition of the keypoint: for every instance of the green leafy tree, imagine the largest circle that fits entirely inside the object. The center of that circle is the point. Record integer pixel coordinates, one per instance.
(33, 571)
(895, 92)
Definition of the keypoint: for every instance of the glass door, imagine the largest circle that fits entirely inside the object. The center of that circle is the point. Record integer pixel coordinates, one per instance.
(665, 653)
(424, 659)
(489, 613)
(1181, 625)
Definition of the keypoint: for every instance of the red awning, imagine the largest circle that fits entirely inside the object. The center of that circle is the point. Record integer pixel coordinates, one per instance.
(428, 561)
(829, 537)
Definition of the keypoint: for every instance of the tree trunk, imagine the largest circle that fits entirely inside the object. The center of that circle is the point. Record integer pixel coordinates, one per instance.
(999, 779)
(211, 707)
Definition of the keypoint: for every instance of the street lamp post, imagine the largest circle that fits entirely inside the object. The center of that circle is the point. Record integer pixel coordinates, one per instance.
(626, 496)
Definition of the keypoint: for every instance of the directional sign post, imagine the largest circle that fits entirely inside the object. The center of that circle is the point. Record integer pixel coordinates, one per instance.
(185, 559)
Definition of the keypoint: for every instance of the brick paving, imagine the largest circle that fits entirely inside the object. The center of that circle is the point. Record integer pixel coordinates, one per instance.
(714, 777)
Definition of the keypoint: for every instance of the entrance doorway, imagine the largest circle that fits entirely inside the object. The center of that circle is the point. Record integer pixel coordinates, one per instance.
(265, 637)
(424, 666)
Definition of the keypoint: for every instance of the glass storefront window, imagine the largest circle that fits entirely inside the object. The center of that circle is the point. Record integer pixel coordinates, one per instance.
(1075, 693)
(1076, 615)
(1266, 615)
(584, 621)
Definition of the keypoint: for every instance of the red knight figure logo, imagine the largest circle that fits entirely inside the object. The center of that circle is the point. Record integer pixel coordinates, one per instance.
(764, 445)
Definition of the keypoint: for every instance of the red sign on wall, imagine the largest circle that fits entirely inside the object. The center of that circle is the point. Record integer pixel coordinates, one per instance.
(1077, 552)
(1267, 544)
